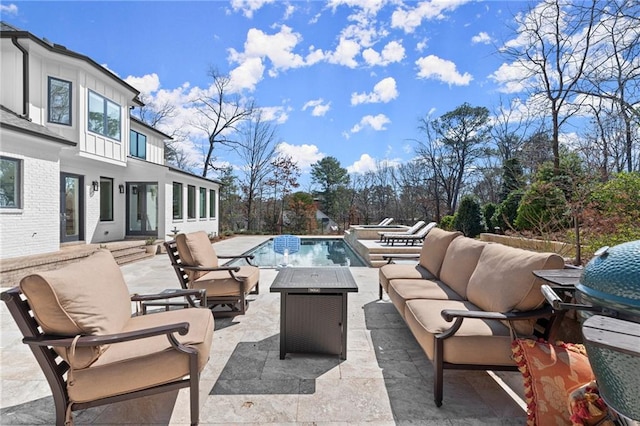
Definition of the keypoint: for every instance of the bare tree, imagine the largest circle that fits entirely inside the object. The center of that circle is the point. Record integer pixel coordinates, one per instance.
(454, 142)
(219, 113)
(613, 73)
(257, 149)
(551, 50)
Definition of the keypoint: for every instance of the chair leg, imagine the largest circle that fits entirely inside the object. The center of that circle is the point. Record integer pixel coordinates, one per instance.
(194, 389)
(380, 291)
(438, 372)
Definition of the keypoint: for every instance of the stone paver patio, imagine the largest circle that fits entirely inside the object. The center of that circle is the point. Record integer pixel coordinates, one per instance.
(385, 380)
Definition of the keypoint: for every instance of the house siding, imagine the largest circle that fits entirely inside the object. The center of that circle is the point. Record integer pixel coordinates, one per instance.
(35, 228)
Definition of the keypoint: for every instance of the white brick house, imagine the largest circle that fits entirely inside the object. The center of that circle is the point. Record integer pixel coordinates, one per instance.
(74, 165)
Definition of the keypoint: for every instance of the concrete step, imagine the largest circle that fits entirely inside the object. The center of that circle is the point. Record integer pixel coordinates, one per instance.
(134, 257)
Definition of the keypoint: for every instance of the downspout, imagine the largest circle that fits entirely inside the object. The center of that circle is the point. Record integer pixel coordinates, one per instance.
(25, 78)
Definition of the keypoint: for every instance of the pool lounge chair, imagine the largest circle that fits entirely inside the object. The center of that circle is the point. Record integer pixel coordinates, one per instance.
(383, 235)
(418, 237)
(386, 222)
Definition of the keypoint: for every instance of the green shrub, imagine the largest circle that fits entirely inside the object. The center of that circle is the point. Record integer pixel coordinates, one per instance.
(488, 210)
(613, 216)
(506, 213)
(543, 209)
(468, 218)
(446, 222)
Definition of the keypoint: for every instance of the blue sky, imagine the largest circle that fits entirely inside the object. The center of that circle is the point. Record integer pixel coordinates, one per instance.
(345, 78)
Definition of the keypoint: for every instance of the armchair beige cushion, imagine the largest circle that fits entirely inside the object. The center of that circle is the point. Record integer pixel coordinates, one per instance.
(459, 263)
(140, 364)
(196, 250)
(75, 300)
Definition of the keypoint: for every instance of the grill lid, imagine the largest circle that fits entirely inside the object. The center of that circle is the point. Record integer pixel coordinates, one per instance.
(612, 277)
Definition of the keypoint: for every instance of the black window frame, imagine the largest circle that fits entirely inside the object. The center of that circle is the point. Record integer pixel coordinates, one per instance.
(50, 103)
(105, 116)
(17, 184)
(191, 202)
(137, 144)
(178, 200)
(212, 203)
(202, 206)
(106, 192)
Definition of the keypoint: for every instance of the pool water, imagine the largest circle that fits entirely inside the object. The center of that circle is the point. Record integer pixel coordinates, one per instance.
(313, 252)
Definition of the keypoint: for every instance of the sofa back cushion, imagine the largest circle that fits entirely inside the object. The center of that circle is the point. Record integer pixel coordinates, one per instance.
(195, 249)
(434, 248)
(459, 263)
(88, 297)
(503, 279)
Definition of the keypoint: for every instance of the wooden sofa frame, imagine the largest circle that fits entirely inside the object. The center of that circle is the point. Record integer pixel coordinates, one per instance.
(55, 368)
(237, 305)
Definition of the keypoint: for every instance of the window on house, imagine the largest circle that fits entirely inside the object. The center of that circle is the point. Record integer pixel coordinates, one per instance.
(177, 200)
(138, 145)
(10, 182)
(191, 202)
(203, 202)
(106, 199)
(212, 203)
(104, 116)
(59, 95)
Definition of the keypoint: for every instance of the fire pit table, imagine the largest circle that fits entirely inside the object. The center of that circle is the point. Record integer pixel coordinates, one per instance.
(313, 309)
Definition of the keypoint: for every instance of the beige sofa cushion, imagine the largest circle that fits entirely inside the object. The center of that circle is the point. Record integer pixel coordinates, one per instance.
(503, 281)
(459, 263)
(434, 248)
(195, 249)
(220, 283)
(143, 363)
(476, 342)
(395, 271)
(88, 297)
(400, 291)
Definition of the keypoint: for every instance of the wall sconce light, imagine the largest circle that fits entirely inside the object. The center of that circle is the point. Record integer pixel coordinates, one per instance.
(96, 185)
(121, 188)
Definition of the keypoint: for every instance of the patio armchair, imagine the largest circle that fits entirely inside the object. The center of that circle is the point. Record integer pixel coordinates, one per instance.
(418, 237)
(77, 322)
(196, 264)
(412, 230)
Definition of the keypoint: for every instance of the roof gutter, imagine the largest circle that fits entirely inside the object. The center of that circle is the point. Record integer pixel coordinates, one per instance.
(25, 78)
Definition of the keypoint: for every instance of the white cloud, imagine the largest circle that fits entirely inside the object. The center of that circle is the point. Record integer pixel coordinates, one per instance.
(512, 78)
(345, 53)
(369, 7)
(146, 84)
(377, 123)
(246, 75)
(422, 44)
(392, 52)
(319, 107)
(366, 163)
(481, 37)
(410, 19)
(303, 155)
(248, 6)
(277, 47)
(278, 114)
(8, 9)
(440, 69)
(384, 91)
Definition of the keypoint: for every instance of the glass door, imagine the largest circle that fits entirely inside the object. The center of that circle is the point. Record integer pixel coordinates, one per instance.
(142, 208)
(71, 207)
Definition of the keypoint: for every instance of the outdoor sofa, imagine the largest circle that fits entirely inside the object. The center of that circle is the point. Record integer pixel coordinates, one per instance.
(488, 290)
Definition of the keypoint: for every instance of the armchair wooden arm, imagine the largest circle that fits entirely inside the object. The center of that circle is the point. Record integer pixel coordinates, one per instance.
(247, 257)
(181, 328)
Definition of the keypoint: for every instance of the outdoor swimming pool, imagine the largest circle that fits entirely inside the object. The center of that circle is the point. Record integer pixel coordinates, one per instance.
(313, 252)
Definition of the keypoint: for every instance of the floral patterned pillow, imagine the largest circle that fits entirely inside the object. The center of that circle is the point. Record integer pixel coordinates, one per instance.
(551, 372)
